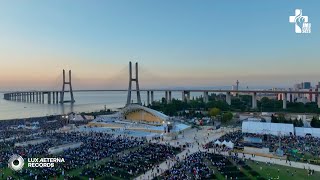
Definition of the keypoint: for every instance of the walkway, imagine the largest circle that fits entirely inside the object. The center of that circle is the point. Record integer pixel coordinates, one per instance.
(197, 138)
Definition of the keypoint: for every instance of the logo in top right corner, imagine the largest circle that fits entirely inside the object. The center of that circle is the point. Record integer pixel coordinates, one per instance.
(302, 24)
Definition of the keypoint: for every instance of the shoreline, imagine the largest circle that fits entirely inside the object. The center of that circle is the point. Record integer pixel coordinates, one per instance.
(28, 118)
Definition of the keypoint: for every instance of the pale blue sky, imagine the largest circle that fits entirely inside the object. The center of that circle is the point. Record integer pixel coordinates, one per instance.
(180, 42)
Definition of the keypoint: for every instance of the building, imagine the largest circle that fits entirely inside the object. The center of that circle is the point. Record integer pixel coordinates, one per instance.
(306, 85)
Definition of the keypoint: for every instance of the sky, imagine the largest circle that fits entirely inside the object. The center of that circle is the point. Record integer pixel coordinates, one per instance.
(177, 43)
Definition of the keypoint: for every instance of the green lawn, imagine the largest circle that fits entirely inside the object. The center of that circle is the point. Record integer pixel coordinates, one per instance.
(268, 171)
(307, 157)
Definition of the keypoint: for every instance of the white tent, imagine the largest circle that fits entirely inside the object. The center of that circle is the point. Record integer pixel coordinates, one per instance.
(230, 145)
(217, 142)
(267, 128)
(224, 143)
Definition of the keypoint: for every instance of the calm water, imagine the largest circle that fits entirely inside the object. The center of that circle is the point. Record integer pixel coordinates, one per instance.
(85, 102)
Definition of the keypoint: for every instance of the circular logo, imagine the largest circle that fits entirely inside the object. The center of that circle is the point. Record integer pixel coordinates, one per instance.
(16, 162)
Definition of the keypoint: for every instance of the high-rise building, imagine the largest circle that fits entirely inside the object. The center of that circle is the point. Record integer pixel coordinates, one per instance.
(306, 85)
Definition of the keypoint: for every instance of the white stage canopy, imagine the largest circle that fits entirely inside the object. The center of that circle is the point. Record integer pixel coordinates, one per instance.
(267, 128)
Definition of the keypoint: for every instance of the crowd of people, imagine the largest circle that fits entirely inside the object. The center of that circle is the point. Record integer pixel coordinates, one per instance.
(132, 163)
(13, 129)
(204, 165)
(139, 157)
(193, 167)
(16, 128)
(289, 144)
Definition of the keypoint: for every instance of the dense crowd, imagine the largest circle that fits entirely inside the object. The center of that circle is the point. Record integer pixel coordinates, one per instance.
(289, 144)
(203, 165)
(134, 162)
(193, 167)
(21, 127)
(139, 157)
(13, 129)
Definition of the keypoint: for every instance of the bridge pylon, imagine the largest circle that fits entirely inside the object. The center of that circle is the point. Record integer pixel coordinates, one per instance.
(131, 79)
(63, 89)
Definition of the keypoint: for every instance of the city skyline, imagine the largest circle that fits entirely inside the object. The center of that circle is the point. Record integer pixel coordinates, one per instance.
(177, 44)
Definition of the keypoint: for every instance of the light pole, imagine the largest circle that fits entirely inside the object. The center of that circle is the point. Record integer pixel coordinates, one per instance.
(65, 119)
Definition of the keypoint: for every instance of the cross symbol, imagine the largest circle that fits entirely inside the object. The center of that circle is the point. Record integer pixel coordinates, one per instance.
(292, 19)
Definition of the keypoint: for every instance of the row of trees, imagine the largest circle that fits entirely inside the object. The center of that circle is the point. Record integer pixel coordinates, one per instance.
(223, 116)
(282, 119)
(217, 107)
(241, 104)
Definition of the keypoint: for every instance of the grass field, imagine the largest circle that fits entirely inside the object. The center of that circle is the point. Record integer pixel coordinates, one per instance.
(271, 171)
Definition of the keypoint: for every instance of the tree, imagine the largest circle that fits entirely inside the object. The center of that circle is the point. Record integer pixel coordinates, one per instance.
(315, 122)
(281, 118)
(274, 119)
(214, 112)
(300, 123)
(227, 116)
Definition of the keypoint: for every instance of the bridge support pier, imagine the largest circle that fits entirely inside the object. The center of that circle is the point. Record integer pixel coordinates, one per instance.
(57, 97)
(254, 100)
(53, 97)
(42, 97)
(284, 100)
(148, 98)
(49, 97)
(152, 97)
(228, 98)
(184, 98)
(318, 99)
(205, 97)
(166, 97)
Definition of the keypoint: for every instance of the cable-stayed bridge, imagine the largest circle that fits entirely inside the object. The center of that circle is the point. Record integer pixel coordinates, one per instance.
(58, 96)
